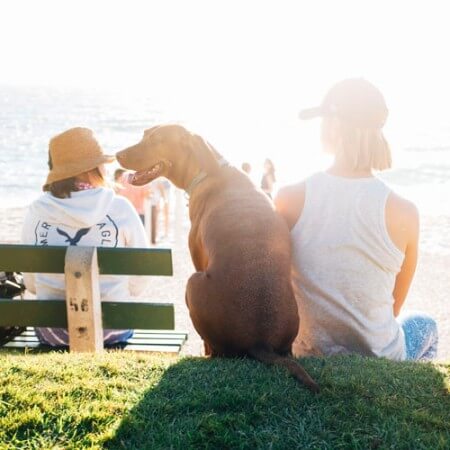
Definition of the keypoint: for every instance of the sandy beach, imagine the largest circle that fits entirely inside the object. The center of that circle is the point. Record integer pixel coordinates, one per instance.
(429, 291)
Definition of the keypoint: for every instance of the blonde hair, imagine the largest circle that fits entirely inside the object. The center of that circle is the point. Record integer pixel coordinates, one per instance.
(360, 148)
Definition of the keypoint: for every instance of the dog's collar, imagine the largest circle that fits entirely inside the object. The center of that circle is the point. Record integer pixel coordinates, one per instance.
(195, 181)
(201, 176)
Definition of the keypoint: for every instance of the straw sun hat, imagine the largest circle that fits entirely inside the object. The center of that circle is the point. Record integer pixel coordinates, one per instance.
(74, 152)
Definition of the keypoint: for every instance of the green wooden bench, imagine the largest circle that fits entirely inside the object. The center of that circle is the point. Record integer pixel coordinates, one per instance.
(82, 312)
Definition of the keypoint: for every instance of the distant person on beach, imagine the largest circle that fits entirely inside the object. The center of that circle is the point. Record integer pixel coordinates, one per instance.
(268, 179)
(78, 209)
(246, 167)
(136, 194)
(354, 241)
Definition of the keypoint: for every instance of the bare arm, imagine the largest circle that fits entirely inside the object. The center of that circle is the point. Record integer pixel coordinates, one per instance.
(289, 203)
(402, 220)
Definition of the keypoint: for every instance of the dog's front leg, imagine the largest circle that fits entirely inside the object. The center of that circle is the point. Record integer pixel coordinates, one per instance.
(207, 348)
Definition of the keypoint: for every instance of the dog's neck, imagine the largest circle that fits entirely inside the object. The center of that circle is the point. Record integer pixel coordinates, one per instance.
(201, 176)
(195, 181)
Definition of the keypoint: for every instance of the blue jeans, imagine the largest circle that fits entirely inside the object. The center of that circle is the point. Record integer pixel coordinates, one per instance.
(421, 335)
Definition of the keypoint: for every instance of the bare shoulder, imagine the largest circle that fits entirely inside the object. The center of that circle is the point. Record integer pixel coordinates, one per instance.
(289, 202)
(401, 209)
(402, 220)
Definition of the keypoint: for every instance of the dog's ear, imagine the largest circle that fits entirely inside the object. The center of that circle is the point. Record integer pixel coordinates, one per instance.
(204, 153)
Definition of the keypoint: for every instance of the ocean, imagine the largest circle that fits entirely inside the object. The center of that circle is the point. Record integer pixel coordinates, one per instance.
(30, 116)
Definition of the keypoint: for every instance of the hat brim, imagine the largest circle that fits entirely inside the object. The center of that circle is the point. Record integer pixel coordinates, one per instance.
(311, 113)
(73, 171)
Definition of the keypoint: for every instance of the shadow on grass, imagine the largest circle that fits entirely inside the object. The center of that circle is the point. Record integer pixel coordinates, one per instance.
(364, 403)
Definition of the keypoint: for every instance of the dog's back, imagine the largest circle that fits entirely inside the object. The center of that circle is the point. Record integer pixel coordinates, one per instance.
(248, 269)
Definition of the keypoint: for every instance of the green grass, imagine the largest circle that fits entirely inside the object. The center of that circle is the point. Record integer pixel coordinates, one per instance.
(127, 401)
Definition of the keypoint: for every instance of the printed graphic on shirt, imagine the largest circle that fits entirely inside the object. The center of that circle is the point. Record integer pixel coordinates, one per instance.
(102, 234)
(73, 241)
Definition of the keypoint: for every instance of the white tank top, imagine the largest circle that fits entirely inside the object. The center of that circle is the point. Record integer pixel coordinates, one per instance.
(345, 266)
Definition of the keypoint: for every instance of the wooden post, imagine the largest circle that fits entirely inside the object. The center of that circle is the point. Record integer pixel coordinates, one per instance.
(154, 227)
(84, 314)
(148, 218)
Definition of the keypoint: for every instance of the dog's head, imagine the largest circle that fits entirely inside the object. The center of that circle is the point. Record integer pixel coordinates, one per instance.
(170, 151)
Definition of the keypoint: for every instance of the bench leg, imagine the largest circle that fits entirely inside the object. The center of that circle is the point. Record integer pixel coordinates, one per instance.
(84, 315)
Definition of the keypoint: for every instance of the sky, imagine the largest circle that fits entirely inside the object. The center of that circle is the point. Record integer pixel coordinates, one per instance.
(238, 70)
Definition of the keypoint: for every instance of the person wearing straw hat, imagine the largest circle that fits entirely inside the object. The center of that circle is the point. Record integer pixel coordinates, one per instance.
(354, 241)
(77, 208)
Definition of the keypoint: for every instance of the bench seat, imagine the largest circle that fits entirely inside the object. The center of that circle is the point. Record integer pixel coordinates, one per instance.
(142, 341)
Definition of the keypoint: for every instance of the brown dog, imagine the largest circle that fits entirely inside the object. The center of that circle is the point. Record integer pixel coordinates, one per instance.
(240, 299)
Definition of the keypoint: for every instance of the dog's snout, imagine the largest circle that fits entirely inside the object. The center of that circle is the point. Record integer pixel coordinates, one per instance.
(120, 156)
(123, 158)
(130, 156)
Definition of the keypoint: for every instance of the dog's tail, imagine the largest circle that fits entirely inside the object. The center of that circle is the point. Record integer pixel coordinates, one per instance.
(268, 356)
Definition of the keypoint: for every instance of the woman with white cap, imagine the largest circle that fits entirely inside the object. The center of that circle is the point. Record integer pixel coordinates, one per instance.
(78, 209)
(354, 241)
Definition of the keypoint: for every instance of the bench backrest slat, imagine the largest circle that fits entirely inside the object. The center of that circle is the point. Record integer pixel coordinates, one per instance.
(111, 261)
(52, 313)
